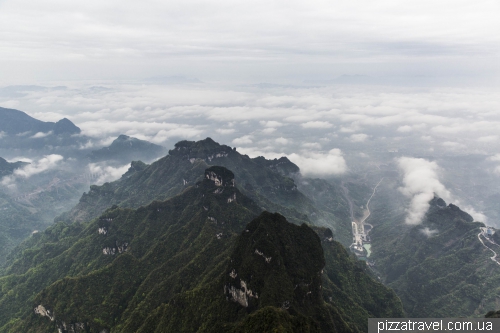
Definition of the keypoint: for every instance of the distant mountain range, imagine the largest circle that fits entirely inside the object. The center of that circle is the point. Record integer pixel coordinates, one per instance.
(21, 131)
(17, 122)
(7, 168)
(125, 149)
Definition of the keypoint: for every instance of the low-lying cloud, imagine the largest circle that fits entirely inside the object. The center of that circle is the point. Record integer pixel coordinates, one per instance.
(320, 164)
(428, 232)
(40, 135)
(106, 173)
(44, 164)
(421, 183)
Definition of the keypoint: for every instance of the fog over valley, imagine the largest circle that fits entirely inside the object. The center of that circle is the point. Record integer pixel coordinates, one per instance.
(327, 130)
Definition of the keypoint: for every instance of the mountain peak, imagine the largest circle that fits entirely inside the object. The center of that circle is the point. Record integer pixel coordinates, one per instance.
(206, 149)
(64, 126)
(125, 148)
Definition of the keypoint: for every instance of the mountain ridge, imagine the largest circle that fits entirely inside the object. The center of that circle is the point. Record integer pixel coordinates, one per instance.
(132, 270)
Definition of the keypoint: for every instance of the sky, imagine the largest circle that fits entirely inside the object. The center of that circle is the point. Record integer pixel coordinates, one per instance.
(327, 83)
(250, 41)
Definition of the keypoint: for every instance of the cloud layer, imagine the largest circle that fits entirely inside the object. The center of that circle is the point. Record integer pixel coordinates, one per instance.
(35, 167)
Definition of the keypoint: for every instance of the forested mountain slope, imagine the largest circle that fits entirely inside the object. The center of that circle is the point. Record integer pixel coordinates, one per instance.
(267, 182)
(196, 262)
(438, 268)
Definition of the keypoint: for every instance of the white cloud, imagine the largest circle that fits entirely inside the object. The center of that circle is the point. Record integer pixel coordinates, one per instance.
(10, 104)
(271, 123)
(405, 129)
(89, 144)
(488, 138)
(106, 173)
(181, 132)
(282, 141)
(2, 134)
(46, 163)
(244, 140)
(320, 164)
(421, 182)
(358, 137)
(268, 130)
(311, 145)
(453, 145)
(40, 135)
(428, 232)
(317, 124)
(225, 131)
(495, 157)
(478, 216)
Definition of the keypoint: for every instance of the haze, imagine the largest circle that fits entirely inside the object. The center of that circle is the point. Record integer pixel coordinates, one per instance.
(338, 87)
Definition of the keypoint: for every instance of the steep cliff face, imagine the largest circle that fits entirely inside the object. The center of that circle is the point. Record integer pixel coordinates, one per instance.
(276, 263)
(200, 261)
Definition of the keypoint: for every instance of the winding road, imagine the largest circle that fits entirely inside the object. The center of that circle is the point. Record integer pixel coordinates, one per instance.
(495, 255)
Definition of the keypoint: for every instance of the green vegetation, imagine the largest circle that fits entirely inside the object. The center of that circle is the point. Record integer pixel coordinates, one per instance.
(438, 268)
(267, 182)
(168, 267)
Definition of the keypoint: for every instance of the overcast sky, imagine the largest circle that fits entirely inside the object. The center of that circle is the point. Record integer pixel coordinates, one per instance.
(426, 72)
(258, 40)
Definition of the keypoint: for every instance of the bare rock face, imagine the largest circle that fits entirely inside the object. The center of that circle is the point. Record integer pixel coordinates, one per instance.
(275, 262)
(220, 176)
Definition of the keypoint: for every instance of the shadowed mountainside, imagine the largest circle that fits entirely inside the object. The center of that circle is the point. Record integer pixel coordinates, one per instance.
(268, 182)
(200, 261)
(125, 149)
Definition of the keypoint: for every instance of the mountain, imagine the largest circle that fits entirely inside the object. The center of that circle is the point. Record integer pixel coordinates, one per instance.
(206, 260)
(21, 131)
(7, 168)
(125, 149)
(439, 268)
(31, 205)
(17, 122)
(268, 182)
(16, 223)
